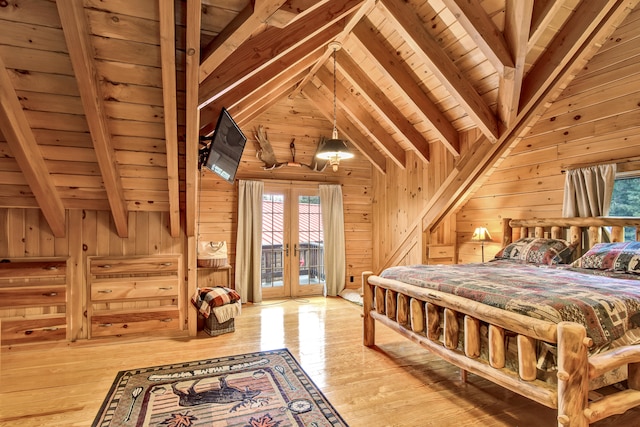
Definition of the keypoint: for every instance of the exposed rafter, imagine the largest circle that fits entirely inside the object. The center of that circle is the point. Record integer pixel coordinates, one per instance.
(412, 30)
(168, 54)
(76, 33)
(24, 148)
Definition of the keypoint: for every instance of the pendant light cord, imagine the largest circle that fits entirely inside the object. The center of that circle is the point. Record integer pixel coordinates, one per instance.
(335, 129)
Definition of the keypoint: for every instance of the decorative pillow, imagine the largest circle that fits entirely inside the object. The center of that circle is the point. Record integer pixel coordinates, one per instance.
(538, 251)
(620, 257)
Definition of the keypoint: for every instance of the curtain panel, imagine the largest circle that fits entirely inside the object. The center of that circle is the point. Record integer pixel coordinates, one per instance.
(249, 241)
(334, 243)
(588, 191)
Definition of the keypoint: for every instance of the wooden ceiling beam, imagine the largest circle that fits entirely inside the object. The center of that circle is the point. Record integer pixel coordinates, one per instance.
(257, 53)
(77, 35)
(292, 10)
(360, 116)
(353, 20)
(542, 15)
(192, 125)
(305, 55)
(516, 31)
(366, 37)
(23, 146)
(578, 28)
(265, 97)
(383, 105)
(249, 21)
(484, 33)
(474, 167)
(169, 96)
(411, 28)
(356, 138)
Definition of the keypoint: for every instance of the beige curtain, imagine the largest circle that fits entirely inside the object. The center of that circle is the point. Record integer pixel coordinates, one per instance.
(249, 242)
(588, 191)
(334, 244)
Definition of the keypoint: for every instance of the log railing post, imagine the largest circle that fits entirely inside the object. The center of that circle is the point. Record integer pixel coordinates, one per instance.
(573, 383)
(369, 324)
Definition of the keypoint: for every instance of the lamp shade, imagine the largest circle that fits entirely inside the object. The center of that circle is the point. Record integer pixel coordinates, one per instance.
(481, 234)
(334, 150)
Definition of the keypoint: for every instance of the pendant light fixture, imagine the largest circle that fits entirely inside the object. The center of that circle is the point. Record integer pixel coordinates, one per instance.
(334, 149)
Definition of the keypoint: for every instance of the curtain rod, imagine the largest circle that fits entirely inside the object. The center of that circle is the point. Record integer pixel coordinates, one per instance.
(618, 161)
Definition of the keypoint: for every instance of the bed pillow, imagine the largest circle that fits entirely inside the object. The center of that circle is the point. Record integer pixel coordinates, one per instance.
(619, 257)
(538, 251)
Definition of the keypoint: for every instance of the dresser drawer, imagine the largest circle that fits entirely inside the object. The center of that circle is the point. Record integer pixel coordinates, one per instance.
(29, 296)
(19, 331)
(133, 288)
(120, 323)
(441, 251)
(134, 265)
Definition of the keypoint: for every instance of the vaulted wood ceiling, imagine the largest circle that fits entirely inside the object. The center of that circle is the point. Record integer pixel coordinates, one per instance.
(102, 101)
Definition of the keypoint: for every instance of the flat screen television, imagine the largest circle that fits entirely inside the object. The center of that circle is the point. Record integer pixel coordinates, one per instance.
(226, 147)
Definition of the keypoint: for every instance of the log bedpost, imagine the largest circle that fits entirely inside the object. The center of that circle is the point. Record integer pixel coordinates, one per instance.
(573, 382)
(369, 324)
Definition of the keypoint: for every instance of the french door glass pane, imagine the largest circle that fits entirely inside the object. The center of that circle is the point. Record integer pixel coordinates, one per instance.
(310, 241)
(272, 263)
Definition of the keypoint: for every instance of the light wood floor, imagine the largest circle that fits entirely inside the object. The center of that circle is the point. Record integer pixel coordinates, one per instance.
(397, 383)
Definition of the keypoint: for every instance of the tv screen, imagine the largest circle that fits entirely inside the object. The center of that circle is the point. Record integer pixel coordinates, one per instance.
(226, 147)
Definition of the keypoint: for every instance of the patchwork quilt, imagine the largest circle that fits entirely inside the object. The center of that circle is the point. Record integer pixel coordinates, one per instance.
(607, 307)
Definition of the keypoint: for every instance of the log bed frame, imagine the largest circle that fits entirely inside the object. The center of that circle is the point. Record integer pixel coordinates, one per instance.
(415, 312)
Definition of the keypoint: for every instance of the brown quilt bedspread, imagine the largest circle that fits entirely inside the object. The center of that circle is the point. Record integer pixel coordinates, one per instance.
(607, 307)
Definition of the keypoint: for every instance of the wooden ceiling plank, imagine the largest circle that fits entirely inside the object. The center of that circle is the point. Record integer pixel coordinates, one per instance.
(474, 166)
(364, 10)
(249, 21)
(383, 105)
(24, 148)
(292, 10)
(357, 139)
(360, 116)
(575, 31)
(169, 96)
(192, 125)
(484, 33)
(305, 54)
(543, 13)
(517, 24)
(77, 35)
(412, 30)
(365, 35)
(269, 94)
(258, 53)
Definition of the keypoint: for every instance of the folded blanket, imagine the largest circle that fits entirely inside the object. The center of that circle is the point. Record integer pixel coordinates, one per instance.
(206, 298)
(227, 311)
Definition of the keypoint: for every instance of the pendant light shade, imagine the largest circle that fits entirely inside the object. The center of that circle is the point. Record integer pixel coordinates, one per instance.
(334, 149)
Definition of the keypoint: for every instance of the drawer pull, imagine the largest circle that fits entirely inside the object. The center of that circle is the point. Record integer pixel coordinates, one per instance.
(166, 264)
(46, 329)
(50, 294)
(105, 266)
(51, 267)
(167, 320)
(166, 288)
(105, 291)
(105, 325)
(50, 329)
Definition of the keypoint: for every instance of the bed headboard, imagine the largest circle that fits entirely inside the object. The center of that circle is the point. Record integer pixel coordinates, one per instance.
(586, 231)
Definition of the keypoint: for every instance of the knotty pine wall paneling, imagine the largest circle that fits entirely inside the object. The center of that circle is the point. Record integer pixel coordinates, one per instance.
(595, 120)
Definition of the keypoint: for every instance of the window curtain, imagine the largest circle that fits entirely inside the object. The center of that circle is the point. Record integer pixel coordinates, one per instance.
(334, 243)
(588, 191)
(249, 241)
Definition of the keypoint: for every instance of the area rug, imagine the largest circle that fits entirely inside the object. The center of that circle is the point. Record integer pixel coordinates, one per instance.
(264, 389)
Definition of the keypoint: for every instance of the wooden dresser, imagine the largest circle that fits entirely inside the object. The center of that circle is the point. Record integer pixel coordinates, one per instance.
(33, 300)
(134, 294)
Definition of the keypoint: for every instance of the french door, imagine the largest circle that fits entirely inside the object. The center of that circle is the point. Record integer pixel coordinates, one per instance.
(292, 262)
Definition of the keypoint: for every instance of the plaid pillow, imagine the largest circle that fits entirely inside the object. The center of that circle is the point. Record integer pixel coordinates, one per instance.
(538, 251)
(620, 257)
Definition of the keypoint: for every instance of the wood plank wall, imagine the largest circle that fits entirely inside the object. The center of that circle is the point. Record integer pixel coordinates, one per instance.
(25, 233)
(292, 119)
(595, 120)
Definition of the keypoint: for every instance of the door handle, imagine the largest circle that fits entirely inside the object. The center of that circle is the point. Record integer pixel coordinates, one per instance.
(286, 249)
(295, 249)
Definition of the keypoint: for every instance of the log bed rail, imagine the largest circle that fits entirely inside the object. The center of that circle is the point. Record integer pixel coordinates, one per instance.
(439, 321)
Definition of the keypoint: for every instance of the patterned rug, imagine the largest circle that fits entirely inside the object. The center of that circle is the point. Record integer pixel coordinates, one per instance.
(265, 389)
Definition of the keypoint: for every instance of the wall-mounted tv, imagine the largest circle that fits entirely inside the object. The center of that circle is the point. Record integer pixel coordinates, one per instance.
(223, 154)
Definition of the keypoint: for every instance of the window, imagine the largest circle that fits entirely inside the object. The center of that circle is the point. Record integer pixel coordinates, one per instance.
(626, 201)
